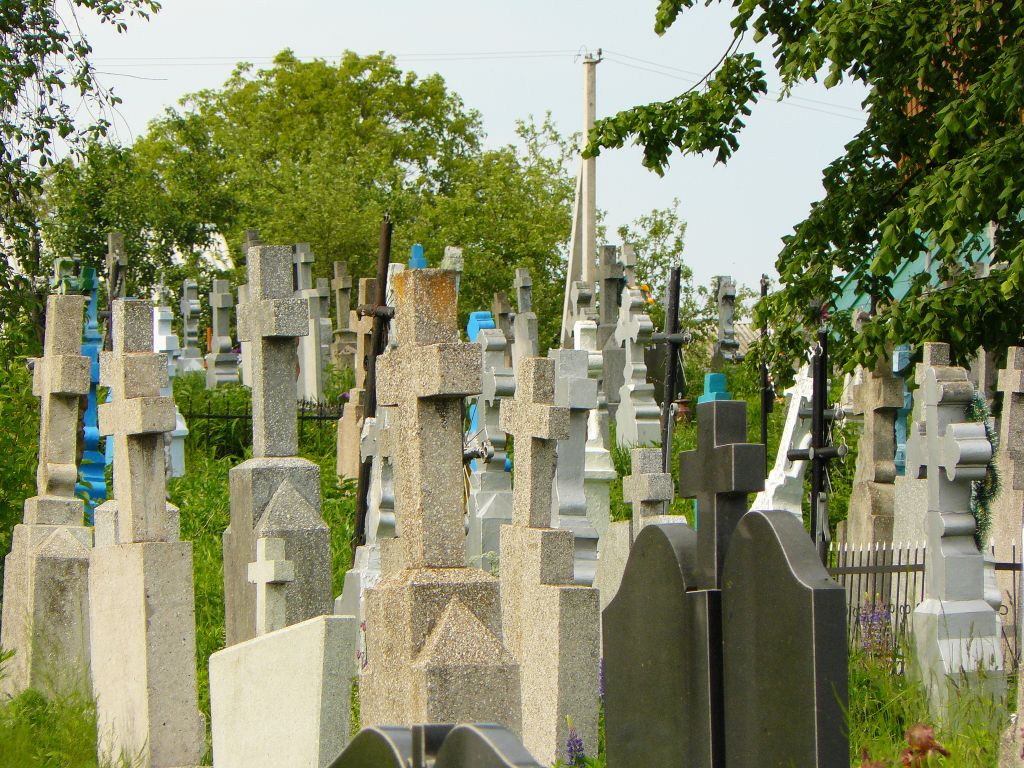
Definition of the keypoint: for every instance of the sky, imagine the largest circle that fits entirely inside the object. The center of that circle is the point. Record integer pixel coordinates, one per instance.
(511, 60)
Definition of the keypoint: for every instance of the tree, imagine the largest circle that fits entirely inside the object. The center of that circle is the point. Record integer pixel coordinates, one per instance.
(939, 158)
(45, 60)
(317, 152)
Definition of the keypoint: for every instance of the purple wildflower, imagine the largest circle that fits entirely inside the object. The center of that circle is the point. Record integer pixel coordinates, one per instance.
(574, 749)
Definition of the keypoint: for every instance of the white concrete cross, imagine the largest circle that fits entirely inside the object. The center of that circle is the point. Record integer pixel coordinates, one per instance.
(271, 573)
(637, 419)
(59, 379)
(427, 376)
(536, 424)
(135, 419)
(272, 320)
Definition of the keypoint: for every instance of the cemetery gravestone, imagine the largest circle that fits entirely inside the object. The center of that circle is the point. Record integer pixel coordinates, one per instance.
(638, 418)
(598, 470)
(244, 359)
(304, 670)
(310, 384)
(190, 360)
(274, 494)
(1008, 506)
(784, 488)
(350, 425)
(910, 508)
(650, 491)
(343, 348)
(524, 327)
(433, 633)
(490, 485)
(45, 617)
(709, 604)
(611, 280)
(221, 362)
(877, 396)
(141, 603)
(323, 291)
(551, 624)
(956, 633)
(574, 390)
(726, 348)
(166, 343)
(501, 310)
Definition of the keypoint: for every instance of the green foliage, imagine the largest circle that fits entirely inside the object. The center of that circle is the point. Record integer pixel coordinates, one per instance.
(884, 704)
(39, 733)
(936, 162)
(19, 445)
(984, 492)
(317, 152)
(46, 60)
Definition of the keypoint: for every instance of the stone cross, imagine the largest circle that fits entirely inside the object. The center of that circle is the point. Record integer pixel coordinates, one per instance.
(610, 277)
(629, 265)
(637, 418)
(1008, 507)
(427, 377)
(60, 378)
(502, 312)
(490, 493)
(323, 292)
(363, 327)
(303, 260)
(719, 474)
(574, 390)
(454, 261)
(342, 286)
(956, 453)
(221, 362)
(524, 328)
(648, 489)
(190, 359)
(271, 320)
(45, 613)
(135, 419)
(117, 266)
(877, 396)
(558, 670)
(343, 347)
(536, 424)
(271, 573)
(726, 349)
(582, 297)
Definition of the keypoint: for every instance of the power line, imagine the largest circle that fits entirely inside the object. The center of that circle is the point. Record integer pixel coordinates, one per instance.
(786, 102)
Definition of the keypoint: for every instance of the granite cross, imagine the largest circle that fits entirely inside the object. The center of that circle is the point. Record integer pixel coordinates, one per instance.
(648, 488)
(610, 276)
(59, 379)
(272, 319)
(524, 326)
(136, 418)
(271, 574)
(427, 376)
(719, 473)
(342, 285)
(536, 424)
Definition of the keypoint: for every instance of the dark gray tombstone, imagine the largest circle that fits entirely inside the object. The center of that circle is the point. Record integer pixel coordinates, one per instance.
(436, 746)
(784, 633)
(725, 647)
(655, 650)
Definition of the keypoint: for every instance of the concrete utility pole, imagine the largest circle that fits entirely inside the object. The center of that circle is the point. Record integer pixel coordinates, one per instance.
(583, 240)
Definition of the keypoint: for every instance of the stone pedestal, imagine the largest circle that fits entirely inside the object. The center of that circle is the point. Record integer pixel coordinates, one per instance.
(143, 654)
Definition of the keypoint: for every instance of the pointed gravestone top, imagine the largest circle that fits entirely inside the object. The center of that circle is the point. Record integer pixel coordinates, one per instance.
(719, 473)
(272, 319)
(427, 376)
(536, 424)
